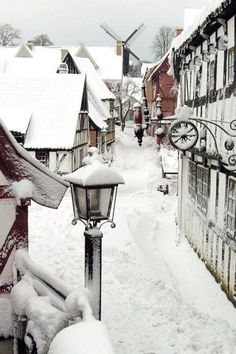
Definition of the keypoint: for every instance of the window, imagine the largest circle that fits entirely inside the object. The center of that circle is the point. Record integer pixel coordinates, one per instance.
(231, 207)
(212, 69)
(192, 175)
(43, 156)
(202, 188)
(231, 66)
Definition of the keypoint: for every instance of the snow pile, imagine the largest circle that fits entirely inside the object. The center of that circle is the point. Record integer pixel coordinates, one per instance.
(20, 294)
(93, 154)
(6, 329)
(156, 297)
(25, 264)
(183, 112)
(22, 190)
(77, 305)
(82, 338)
(44, 322)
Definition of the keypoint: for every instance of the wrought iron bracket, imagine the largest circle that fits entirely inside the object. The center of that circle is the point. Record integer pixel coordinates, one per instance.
(176, 136)
(90, 225)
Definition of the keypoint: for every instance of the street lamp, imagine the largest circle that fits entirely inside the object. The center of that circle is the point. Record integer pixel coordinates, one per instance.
(138, 122)
(94, 190)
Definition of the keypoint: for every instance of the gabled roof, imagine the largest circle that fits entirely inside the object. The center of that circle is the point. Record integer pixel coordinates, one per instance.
(98, 92)
(55, 102)
(48, 188)
(42, 60)
(157, 66)
(24, 52)
(105, 58)
(82, 52)
(94, 80)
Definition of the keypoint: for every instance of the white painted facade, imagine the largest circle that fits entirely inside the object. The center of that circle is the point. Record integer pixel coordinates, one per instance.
(207, 180)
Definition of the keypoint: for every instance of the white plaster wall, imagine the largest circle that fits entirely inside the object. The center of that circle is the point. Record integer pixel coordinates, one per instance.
(7, 217)
(212, 199)
(52, 160)
(183, 193)
(66, 165)
(231, 34)
(3, 180)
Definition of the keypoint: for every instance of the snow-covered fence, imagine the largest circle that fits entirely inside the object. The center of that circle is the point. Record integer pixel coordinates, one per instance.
(218, 254)
(43, 305)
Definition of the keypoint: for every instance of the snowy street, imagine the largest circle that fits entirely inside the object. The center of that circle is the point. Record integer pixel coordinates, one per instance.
(158, 298)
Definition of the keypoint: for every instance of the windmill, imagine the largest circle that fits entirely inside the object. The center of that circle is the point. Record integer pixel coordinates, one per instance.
(123, 46)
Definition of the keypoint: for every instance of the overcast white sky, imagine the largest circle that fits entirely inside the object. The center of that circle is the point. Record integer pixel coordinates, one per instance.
(73, 22)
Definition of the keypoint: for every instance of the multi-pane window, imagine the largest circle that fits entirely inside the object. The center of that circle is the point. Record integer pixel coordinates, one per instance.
(202, 188)
(231, 65)
(43, 156)
(231, 207)
(192, 175)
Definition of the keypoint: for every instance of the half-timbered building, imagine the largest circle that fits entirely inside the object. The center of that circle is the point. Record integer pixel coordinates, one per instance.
(204, 64)
(48, 116)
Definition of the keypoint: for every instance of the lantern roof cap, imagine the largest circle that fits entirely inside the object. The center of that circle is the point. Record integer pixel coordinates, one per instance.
(95, 174)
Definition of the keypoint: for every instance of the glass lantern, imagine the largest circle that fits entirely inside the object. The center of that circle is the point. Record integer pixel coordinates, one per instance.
(93, 203)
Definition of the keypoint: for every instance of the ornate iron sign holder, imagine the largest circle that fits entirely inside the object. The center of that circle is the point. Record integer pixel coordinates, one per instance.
(183, 134)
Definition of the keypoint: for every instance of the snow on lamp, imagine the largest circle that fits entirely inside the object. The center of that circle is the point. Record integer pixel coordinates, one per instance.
(94, 190)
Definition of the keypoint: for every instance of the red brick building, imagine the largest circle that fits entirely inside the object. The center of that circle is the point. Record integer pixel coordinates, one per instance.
(158, 82)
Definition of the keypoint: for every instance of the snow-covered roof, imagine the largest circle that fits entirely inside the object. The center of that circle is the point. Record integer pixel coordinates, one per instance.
(95, 116)
(98, 92)
(48, 188)
(145, 67)
(197, 20)
(16, 118)
(94, 80)
(95, 174)
(109, 64)
(21, 59)
(55, 102)
(157, 65)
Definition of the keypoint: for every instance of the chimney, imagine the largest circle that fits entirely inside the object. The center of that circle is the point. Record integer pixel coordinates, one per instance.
(178, 31)
(119, 48)
(30, 45)
(63, 68)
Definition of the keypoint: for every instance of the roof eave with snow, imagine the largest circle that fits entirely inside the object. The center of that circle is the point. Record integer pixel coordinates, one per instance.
(204, 20)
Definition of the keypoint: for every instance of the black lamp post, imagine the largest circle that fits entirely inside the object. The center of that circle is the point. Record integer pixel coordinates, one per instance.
(94, 190)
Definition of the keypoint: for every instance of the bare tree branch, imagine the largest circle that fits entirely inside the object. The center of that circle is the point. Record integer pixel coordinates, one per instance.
(162, 41)
(42, 40)
(8, 34)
